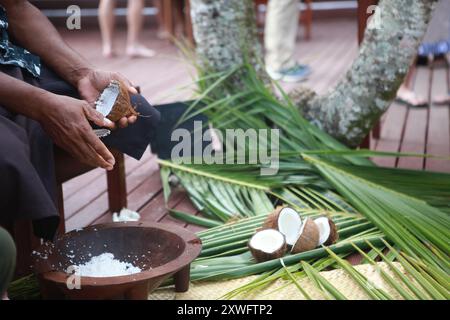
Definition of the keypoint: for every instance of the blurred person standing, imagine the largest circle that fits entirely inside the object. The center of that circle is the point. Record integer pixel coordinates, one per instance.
(279, 39)
(134, 22)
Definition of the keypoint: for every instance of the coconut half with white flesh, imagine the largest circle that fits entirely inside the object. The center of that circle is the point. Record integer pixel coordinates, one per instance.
(114, 102)
(287, 221)
(327, 231)
(308, 237)
(267, 244)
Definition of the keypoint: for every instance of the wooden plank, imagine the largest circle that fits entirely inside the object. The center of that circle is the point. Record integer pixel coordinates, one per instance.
(439, 124)
(77, 184)
(186, 206)
(391, 134)
(99, 206)
(156, 209)
(338, 67)
(414, 139)
(94, 188)
(323, 52)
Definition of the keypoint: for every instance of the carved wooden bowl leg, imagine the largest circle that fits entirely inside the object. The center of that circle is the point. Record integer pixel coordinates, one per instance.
(182, 279)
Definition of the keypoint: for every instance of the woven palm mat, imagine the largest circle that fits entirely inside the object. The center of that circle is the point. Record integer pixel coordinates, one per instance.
(285, 290)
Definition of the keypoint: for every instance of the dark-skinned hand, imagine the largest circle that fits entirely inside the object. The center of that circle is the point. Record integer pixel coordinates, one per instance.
(94, 81)
(66, 121)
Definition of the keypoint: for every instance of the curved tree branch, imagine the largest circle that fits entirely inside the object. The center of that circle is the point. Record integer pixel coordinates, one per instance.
(225, 32)
(390, 45)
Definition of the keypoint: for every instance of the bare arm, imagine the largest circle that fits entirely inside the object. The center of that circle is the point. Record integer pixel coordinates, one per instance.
(65, 119)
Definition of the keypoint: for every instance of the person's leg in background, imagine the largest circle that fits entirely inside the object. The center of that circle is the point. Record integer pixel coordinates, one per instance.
(135, 20)
(406, 94)
(106, 20)
(162, 32)
(7, 261)
(279, 38)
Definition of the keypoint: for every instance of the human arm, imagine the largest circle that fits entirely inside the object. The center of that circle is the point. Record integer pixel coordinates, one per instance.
(65, 119)
(34, 32)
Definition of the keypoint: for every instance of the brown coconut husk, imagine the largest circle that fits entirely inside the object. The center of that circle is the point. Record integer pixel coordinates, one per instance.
(271, 221)
(334, 235)
(122, 107)
(261, 256)
(308, 239)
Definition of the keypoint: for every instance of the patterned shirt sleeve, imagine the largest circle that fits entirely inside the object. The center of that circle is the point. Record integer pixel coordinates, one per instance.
(15, 55)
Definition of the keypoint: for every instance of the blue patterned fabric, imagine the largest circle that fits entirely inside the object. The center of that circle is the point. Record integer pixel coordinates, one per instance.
(14, 55)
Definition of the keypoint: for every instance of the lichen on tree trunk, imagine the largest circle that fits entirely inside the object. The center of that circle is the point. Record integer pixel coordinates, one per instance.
(225, 33)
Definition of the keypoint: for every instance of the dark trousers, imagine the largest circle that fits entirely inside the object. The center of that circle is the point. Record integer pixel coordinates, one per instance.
(27, 178)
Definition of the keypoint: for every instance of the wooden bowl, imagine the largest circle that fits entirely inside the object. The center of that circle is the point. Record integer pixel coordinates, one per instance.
(159, 250)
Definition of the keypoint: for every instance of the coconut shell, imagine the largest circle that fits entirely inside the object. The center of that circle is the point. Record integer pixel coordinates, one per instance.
(122, 107)
(308, 239)
(271, 221)
(261, 256)
(334, 235)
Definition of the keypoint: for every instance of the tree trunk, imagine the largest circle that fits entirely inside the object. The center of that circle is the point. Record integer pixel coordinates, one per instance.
(225, 32)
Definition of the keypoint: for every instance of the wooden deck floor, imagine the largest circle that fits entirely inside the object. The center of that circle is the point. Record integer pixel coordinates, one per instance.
(329, 53)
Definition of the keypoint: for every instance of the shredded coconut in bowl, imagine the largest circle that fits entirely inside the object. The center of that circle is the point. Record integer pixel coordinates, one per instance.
(104, 265)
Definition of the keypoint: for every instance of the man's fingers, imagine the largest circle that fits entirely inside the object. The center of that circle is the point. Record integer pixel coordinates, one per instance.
(132, 119)
(100, 149)
(131, 88)
(86, 154)
(123, 122)
(97, 118)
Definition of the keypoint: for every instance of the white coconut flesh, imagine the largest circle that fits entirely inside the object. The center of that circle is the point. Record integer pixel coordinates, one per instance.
(268, 241)
(289, 224)
(324, 229)
(105, 102)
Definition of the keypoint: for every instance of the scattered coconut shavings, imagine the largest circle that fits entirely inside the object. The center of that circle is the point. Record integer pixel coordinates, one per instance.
(105, 265)
(126, 215)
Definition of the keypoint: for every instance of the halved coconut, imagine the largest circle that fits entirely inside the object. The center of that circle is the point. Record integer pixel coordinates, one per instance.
(308, 237)
(114, 102)
(327, 231)
(287, 221)
(267, 244)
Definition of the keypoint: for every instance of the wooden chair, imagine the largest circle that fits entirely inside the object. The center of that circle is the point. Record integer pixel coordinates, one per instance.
(67, 168)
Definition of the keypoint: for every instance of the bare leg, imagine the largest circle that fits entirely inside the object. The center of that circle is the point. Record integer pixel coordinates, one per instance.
(409, 97)
(162, 32)
(135, 20)
(406, 94)
(106, 20)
